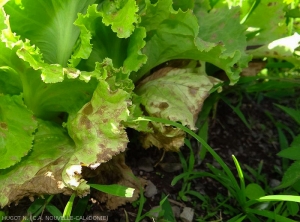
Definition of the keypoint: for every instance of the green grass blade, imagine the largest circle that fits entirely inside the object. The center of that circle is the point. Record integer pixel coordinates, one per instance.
(222, 178)
(139, 215)
(197, 194)
(237, 218)
(114, 189)
(183, 162)
(191, 162)
(192, 175)
(295, 114)
(54, 210)
(242, 195)
(200, 140)
(237, 110)
(219, 173)
(292, 198)
(68, 209)
(283, 142)
(252, 9)
(203, 133)
(37, 207)
(167, 209)
(270, 215)
(260, 166)
(80, 208)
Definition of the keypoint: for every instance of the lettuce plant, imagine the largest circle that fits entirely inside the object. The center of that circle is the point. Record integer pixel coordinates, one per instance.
(68, 71)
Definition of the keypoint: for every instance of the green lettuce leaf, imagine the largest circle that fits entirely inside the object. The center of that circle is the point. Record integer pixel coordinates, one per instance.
(50, 27)
(10, 82)
(125, 53)
(176, 35)
(17, 126)
(266, 23)
(40, 171)
(176, 94)
(74, 87)
(135, 112)
(52, 32)
(121, 15)
(265, 19)
(97, 128)
(184, 5)
(222, 26)
(47, 101)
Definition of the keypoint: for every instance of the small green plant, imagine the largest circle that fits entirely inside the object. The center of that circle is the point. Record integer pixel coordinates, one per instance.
(248, 198)
(2, 215)
(72, 212)
(163, 212)
(237, 109)
(291, 175)
(188, 168)
(290, 161)
(256, 175)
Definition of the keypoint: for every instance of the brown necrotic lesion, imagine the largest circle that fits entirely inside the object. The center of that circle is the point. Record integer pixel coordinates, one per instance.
(84, 121)
(88, 109)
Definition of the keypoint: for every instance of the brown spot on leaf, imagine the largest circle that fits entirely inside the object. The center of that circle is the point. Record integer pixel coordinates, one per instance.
(213, 36)
(88, 109)
(3, 125)
(236, 15)
(100, 112)
(101, 146)
(156, 75)
(105, 120)
(85, 122)
(271, 4)
(275, 53)
(105, 154)
(193, 91)
(163, 105)
(120, 30)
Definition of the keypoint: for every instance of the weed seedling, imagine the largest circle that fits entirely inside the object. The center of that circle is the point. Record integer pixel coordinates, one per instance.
(247, 197)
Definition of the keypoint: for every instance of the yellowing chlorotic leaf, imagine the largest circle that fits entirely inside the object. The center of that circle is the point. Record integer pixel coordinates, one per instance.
(97, 128)
(176, 94)
(285, 48)
(17, 126)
